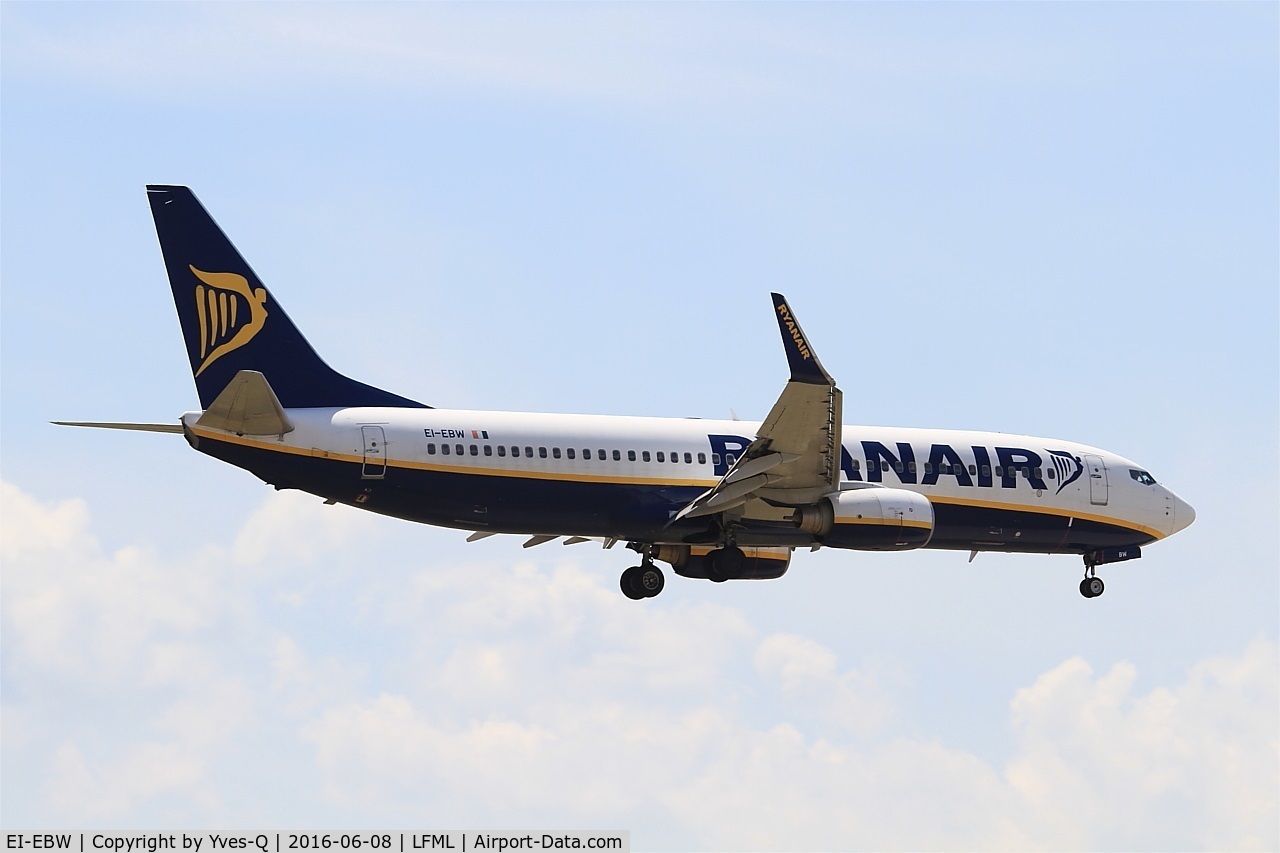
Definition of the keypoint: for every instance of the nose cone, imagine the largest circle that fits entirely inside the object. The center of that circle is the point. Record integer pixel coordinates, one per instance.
(1183, 514)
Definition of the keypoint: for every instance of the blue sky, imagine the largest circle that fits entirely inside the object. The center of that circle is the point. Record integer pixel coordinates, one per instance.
(1050, 219)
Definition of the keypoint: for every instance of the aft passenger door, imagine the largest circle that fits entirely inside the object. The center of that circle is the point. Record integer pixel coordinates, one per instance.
(1099, 488)
(375, 453)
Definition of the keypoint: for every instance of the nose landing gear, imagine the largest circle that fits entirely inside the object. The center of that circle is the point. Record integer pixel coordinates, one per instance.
(1092, 585)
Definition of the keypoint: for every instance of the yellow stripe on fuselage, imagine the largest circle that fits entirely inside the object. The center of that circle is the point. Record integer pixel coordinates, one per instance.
(1062, 512)
(560, 476)
(564, 476)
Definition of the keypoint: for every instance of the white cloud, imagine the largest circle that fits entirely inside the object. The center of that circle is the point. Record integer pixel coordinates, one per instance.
(512, 712)
(115, 665)
(292, 527)
(1204, 755)
(808, 675)
(70, 607)
(86, 790)
(536, 694)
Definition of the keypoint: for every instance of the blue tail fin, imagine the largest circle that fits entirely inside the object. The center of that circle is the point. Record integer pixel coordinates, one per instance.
(232, 323)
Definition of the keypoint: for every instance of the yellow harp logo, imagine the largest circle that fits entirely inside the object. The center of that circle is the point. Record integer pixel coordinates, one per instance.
(230, 314)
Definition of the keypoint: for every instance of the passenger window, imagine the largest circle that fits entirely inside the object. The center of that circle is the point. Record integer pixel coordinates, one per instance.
(617, 456)
(586, 453)
(986, 470)
(728, 458)
(688, 459)
(475, 451)
(444, 450)
(999, 470)
(600, 454)
(911, 466)
(502, 450)
(857, 465)
(715, 458)
(542, 453)
(488, 450)
(928, 467)
(644, 456)
(675, 457)
(1049, 474)
(897, 466)
(569, 452)
(555, 453)
(458, 449)
(661, 458)
(431, 450)
(702, 459)
(631, 456)
(973, 469)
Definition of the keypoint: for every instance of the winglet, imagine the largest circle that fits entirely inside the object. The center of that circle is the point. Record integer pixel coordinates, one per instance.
(805, 366)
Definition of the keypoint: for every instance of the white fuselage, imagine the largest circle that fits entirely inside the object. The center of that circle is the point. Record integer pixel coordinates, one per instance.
(490, 451)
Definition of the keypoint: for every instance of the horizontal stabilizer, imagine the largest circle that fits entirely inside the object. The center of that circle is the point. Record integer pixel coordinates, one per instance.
(247, 406)
(176, 428)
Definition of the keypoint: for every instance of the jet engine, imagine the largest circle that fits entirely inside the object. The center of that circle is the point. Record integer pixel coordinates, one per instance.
(869, 519)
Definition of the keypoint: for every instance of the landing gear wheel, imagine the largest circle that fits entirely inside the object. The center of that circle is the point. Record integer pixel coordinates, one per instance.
(630, 583)
(650, 580)
(714, 574)
(725, 563)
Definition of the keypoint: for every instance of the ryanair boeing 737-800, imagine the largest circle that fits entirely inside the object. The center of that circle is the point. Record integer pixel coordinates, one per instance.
(720, 500)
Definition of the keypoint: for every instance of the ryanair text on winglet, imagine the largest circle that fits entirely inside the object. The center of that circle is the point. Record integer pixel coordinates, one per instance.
(794, 329)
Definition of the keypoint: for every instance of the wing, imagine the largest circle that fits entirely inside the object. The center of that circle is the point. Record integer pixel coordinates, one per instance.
(795, 457)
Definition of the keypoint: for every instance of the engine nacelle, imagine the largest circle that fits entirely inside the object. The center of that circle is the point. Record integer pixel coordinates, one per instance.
(870, 519)
(690, 561)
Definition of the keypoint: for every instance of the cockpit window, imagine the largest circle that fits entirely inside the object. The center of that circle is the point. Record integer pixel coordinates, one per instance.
(1142, 477)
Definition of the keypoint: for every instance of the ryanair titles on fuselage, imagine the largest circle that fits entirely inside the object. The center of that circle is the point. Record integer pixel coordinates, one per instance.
(943, 461)
(973, 466)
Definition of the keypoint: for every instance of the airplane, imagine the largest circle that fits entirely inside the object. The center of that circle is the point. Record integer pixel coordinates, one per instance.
(714, 499)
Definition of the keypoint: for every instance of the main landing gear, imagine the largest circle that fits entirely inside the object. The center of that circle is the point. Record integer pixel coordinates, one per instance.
(643, 581)
(725, 563)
